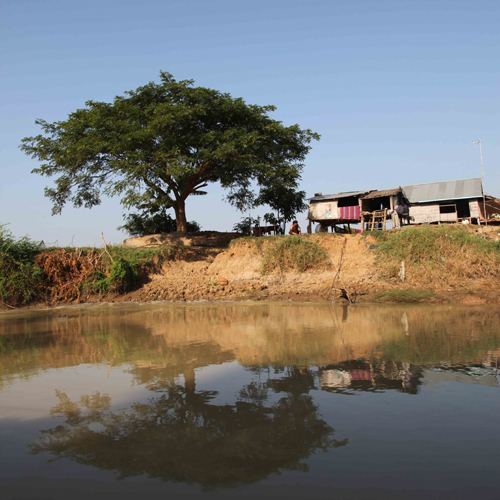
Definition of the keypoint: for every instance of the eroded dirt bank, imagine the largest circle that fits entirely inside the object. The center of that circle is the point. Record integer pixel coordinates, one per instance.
(215, 274)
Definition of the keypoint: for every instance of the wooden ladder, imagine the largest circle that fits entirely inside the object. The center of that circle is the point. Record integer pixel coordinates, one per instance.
(379, 217)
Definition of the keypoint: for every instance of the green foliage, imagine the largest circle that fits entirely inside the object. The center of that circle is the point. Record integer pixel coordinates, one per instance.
(21, 250)
(243, 227)
(99, 282)
(281, 194)
(19, 281)
(122, 275)
(165, 142)
(271, 219)
(122, 278)
(293, 252)
(145, 223)
(404, 295)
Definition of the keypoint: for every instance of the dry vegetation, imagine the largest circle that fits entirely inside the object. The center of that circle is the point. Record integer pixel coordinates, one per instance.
(74, 274)
(66, 272)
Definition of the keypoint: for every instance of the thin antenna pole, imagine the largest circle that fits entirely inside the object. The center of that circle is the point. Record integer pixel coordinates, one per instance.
(479, 141)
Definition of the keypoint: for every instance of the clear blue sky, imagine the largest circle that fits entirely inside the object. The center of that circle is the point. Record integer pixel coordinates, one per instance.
(398, 90)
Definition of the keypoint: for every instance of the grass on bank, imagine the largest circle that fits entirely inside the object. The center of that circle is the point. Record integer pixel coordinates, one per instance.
(448, 254)
(289, 253)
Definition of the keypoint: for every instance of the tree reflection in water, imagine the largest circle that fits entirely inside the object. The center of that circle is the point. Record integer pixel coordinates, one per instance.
(182, 436)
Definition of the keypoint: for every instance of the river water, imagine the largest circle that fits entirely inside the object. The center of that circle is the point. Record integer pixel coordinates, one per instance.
(254, 400)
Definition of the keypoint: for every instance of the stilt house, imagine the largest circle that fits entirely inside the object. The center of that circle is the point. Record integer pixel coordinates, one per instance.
(378, 207)
(333, 209)
(431, 203)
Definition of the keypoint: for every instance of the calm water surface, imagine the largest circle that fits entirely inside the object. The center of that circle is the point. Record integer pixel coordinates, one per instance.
(253, 400)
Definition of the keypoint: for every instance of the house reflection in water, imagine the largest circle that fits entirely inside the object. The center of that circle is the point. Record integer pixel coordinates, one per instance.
(354, 375)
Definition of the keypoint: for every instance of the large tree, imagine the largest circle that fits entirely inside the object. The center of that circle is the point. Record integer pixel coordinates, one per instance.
(166, 141)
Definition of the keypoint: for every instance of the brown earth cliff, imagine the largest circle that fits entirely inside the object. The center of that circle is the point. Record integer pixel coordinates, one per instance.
(205, 272)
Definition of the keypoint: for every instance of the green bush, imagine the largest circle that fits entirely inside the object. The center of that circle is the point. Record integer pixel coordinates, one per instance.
(122, 275)
(19, 278)
(98, 283)
(21, 250)
(293, 253)
(121, 279)
(19, 282)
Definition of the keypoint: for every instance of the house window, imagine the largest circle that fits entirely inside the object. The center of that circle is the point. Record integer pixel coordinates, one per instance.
(447, 209)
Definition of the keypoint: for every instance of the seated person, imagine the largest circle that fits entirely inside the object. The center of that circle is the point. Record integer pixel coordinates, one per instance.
(295, 228)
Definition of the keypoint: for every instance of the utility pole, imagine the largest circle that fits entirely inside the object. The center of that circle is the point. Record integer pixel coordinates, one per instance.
(479, 141)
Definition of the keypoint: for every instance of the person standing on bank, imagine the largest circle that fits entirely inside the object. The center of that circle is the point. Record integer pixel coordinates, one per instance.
(295, 228)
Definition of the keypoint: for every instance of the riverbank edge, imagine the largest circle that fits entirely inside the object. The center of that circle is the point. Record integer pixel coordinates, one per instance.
(416, 265)
(452, 297)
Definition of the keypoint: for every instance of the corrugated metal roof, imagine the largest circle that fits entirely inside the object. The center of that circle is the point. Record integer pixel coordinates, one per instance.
(338, 195)
(440, 191)
(381, 194)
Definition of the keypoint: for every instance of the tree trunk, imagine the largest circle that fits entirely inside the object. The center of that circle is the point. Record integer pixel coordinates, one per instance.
(180, 216)
(189, 381)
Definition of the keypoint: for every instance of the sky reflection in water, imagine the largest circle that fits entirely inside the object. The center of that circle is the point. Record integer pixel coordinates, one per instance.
(258, 399)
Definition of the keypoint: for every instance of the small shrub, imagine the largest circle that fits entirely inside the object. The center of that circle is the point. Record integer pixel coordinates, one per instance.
(97, 283)
(293, 253)
(122, 275)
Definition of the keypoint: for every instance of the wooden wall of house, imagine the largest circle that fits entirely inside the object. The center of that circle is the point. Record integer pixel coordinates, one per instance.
(425, 214)
(323, 210)
(475, 211)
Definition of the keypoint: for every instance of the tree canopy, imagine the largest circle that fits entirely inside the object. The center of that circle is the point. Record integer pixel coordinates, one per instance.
(166, 141)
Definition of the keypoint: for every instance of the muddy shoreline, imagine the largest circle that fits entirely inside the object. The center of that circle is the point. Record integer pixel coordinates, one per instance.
(471, 298)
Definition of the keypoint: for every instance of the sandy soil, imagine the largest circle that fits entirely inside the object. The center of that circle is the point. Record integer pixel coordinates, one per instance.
(210, 239)
(233, 274)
